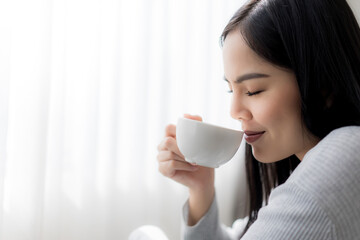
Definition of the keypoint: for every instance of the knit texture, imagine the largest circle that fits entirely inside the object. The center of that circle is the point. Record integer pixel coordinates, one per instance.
(320, 200)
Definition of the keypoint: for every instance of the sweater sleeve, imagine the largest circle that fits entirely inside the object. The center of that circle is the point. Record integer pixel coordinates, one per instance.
(209, 226)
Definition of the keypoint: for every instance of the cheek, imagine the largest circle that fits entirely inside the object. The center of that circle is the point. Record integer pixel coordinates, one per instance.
(281, 119)
(280, 111)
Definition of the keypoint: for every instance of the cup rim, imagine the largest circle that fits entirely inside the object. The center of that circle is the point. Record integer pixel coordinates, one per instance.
(209, 124)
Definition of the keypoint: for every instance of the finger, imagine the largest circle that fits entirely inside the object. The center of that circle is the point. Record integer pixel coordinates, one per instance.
(193, 117)
(170, 144)
(169, 168)
(170, 131)
(168, 155)
(166, 144)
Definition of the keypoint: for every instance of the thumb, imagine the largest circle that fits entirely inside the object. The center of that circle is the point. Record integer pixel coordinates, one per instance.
(193, 117)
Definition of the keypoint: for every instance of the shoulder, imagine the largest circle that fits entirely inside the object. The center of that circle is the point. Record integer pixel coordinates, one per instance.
(329, 174)
(334, 160)
(337, 153)
(343, 141)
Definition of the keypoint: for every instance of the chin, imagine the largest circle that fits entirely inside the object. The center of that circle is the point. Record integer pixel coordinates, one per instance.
(264, 158)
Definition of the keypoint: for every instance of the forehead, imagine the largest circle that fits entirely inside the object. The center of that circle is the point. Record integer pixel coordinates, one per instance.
(235, 42)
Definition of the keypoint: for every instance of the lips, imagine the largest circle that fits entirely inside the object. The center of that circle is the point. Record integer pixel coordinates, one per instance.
(251, 136)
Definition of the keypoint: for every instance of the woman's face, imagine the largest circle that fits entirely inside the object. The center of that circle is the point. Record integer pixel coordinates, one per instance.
(266, 99)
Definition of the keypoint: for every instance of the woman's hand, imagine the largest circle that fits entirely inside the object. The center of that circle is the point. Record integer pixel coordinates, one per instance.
(199, 180)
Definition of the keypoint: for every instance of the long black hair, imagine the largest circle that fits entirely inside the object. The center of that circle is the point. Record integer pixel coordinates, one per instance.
(319, 40)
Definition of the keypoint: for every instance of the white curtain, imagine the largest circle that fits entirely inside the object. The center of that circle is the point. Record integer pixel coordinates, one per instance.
(86, 89)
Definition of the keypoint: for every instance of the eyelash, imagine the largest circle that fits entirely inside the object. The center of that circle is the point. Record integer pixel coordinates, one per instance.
(253, 93)
(248, 93)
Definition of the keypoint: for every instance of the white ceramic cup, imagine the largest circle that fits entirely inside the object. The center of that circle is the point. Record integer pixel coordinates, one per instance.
(206, 144)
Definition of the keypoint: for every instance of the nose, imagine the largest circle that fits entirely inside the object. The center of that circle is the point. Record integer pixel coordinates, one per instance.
(239, 110)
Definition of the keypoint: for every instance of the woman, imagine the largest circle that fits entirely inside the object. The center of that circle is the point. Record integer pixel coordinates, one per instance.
(293, 68)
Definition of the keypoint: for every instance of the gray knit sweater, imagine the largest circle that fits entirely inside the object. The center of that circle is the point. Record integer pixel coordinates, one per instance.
(320, 200)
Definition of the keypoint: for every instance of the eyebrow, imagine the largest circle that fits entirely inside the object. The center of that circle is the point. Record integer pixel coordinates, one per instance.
(248, 76)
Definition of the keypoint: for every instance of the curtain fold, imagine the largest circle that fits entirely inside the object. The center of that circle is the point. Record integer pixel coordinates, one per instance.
(86, 90)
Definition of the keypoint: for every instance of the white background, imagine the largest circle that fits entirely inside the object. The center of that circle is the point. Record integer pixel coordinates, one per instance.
(86, 90)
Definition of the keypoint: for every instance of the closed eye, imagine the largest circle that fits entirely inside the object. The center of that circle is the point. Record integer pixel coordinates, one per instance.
(253, 93)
